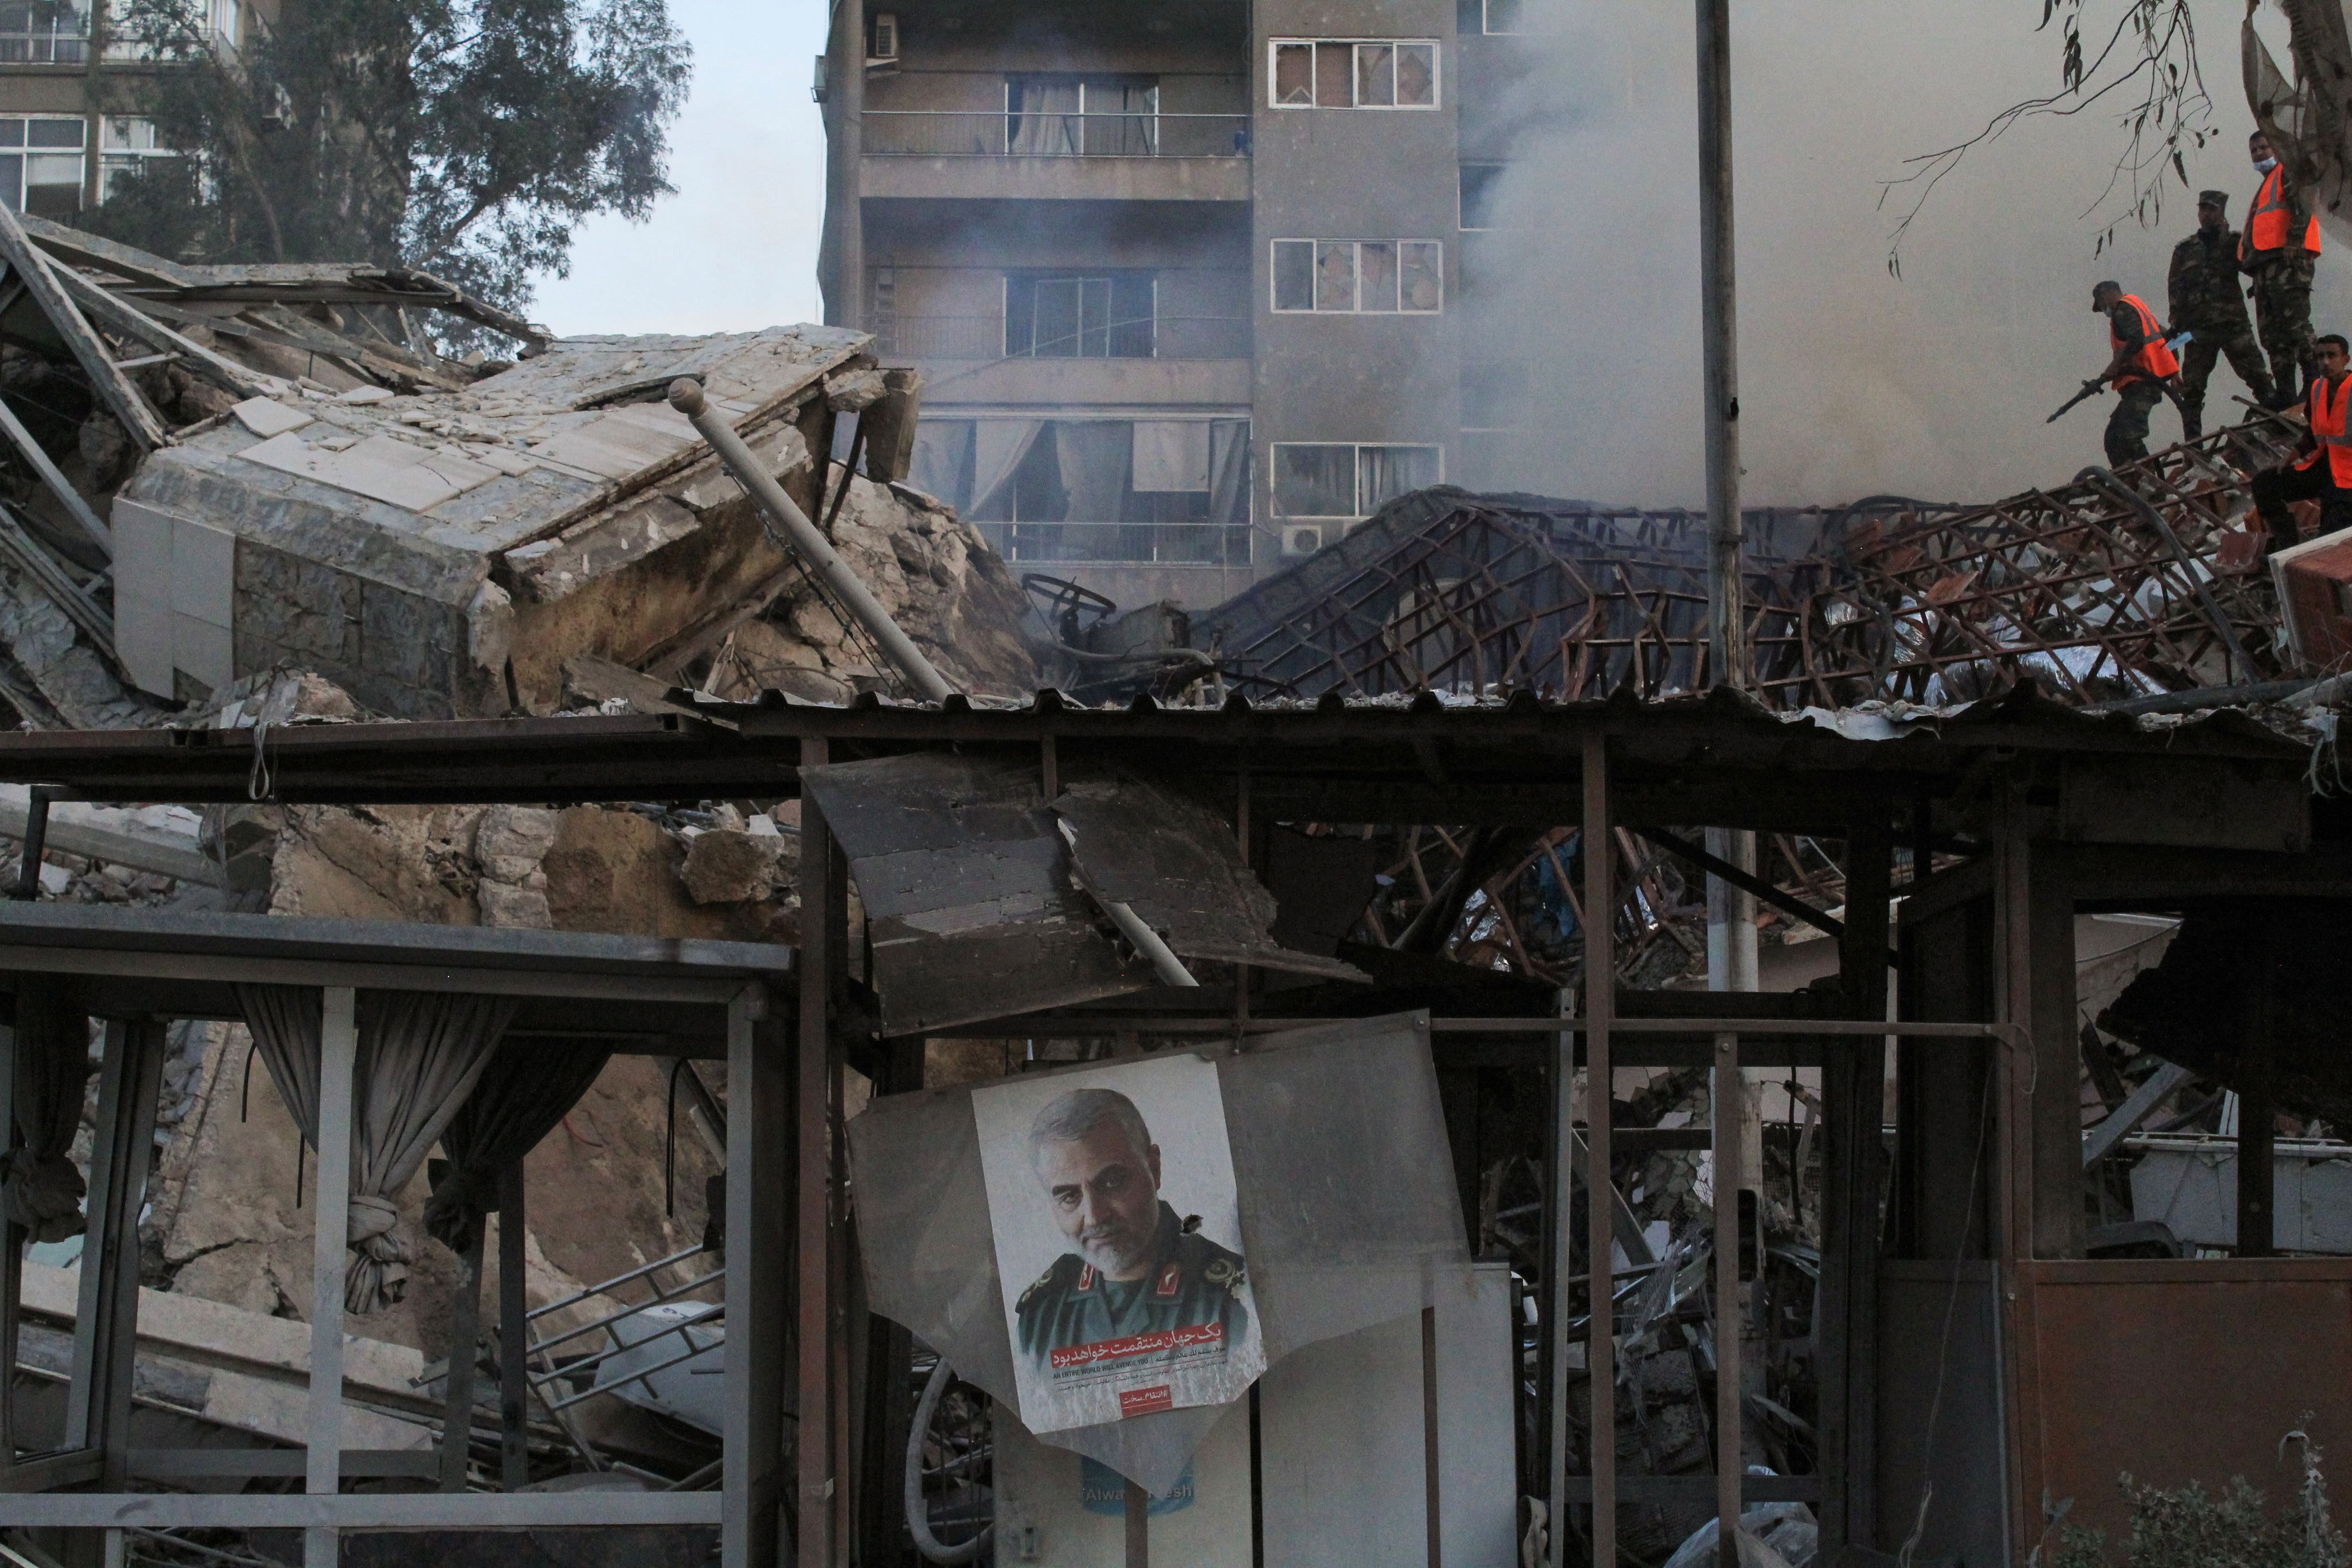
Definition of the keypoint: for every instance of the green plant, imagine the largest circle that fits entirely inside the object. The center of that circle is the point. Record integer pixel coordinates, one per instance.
(2188, 1527)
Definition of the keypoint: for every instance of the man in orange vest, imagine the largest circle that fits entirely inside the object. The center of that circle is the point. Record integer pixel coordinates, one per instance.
(2143, 364)
(2280, 252)
(2324, 472)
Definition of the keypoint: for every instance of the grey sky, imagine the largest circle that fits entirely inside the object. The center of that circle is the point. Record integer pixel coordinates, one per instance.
(736, 248)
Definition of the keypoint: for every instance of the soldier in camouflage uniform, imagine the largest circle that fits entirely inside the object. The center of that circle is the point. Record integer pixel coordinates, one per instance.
(2204, 301)
(2281, 252)
(1138, 1269)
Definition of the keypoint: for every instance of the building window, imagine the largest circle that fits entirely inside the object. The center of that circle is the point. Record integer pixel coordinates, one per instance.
(44, 32)
(1379, 277)
(212, 23)
(41, 164)
(1348, 480)
(1355, 73)
(1068, 315)
(1074, 117)
(1482, 188)
(126, 146)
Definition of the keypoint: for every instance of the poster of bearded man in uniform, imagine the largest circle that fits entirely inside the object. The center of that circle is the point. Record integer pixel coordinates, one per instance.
(1112, 1197)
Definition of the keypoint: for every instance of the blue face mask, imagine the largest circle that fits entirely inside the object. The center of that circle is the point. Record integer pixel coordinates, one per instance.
(2264, 165)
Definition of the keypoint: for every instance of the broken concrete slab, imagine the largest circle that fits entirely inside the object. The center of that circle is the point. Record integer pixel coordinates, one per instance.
(440, 553)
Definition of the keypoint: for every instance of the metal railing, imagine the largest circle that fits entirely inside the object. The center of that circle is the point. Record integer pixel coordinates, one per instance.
(984, 337)
(1121, 543)
(997, 133)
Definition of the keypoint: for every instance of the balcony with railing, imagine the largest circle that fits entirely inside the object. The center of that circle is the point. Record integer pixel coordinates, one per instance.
(1094, 155)
(1093, 134)
(986, 338)
(1120, 543)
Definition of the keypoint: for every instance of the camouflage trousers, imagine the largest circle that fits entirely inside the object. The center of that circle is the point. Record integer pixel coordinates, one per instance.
(2127, 426)
(2207, 345)
(2282, 292)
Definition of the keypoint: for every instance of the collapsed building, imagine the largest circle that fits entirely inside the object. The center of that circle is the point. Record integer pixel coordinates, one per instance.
(730, 935)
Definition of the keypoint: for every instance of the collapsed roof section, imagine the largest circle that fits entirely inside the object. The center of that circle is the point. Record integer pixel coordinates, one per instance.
(440, 555)
(247, 468)
(2119, 586)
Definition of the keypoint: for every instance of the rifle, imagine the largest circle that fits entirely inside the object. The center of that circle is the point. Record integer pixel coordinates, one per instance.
(2090, 389)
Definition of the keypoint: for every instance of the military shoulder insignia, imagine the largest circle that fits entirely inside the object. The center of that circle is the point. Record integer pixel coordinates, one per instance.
(1085, 1278)
(1221, 1271)
(1036, 1290)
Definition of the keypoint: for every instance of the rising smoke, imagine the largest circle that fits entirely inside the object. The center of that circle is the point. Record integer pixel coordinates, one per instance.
(1852, 382)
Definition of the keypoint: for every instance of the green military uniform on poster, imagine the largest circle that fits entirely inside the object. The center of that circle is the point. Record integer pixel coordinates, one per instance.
(2204, 299)
(1191, 1282)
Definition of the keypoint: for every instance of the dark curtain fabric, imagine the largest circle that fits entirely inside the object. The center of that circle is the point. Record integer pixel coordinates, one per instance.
(522, 1095)
(420, 1055)
(40, 1188)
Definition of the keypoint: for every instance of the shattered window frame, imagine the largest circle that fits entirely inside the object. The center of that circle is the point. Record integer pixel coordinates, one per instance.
(1382, 67)
(33, 141)
(1403, 262)
(1356, 467)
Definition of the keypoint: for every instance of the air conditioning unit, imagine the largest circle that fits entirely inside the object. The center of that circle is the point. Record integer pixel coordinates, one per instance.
(1301, 539)
(886, 38)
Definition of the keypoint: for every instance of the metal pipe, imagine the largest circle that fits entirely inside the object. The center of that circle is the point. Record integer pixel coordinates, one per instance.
(686, 396)
(918, 1523)
(1719, 328)
(1730, 1094)
(661, 1298)
(605, 1287)
(1164, 962)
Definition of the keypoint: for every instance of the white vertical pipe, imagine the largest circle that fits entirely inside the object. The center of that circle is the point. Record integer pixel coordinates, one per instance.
(1729, 1096)
(338, 1049)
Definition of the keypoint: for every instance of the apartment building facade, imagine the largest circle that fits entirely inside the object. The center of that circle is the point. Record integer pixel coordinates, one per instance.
(1185, 277)
(63, 140)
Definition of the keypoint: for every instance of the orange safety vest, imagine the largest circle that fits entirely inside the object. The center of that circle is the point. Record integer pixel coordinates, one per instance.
(2155, 360)
(2328, 407)
(2266, 226)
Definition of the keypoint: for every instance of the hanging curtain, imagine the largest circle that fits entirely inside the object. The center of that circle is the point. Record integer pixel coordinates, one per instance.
(1385, 473)
(1122, 120)
(998, 445)
(420, 1053)
(943, 461)
(1172, 454)
(1041, 119)
(1096, 456)
(40, 1188)
(1229, 457)
(522, 1093)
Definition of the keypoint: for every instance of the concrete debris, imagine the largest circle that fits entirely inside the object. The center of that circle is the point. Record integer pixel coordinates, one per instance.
(731, 866)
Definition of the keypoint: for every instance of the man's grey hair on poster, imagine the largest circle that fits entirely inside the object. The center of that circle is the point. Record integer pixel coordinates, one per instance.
(1071, 1117)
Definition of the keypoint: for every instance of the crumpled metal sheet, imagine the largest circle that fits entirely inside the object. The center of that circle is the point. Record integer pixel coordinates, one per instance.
(966, 880)
(1175, 863)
